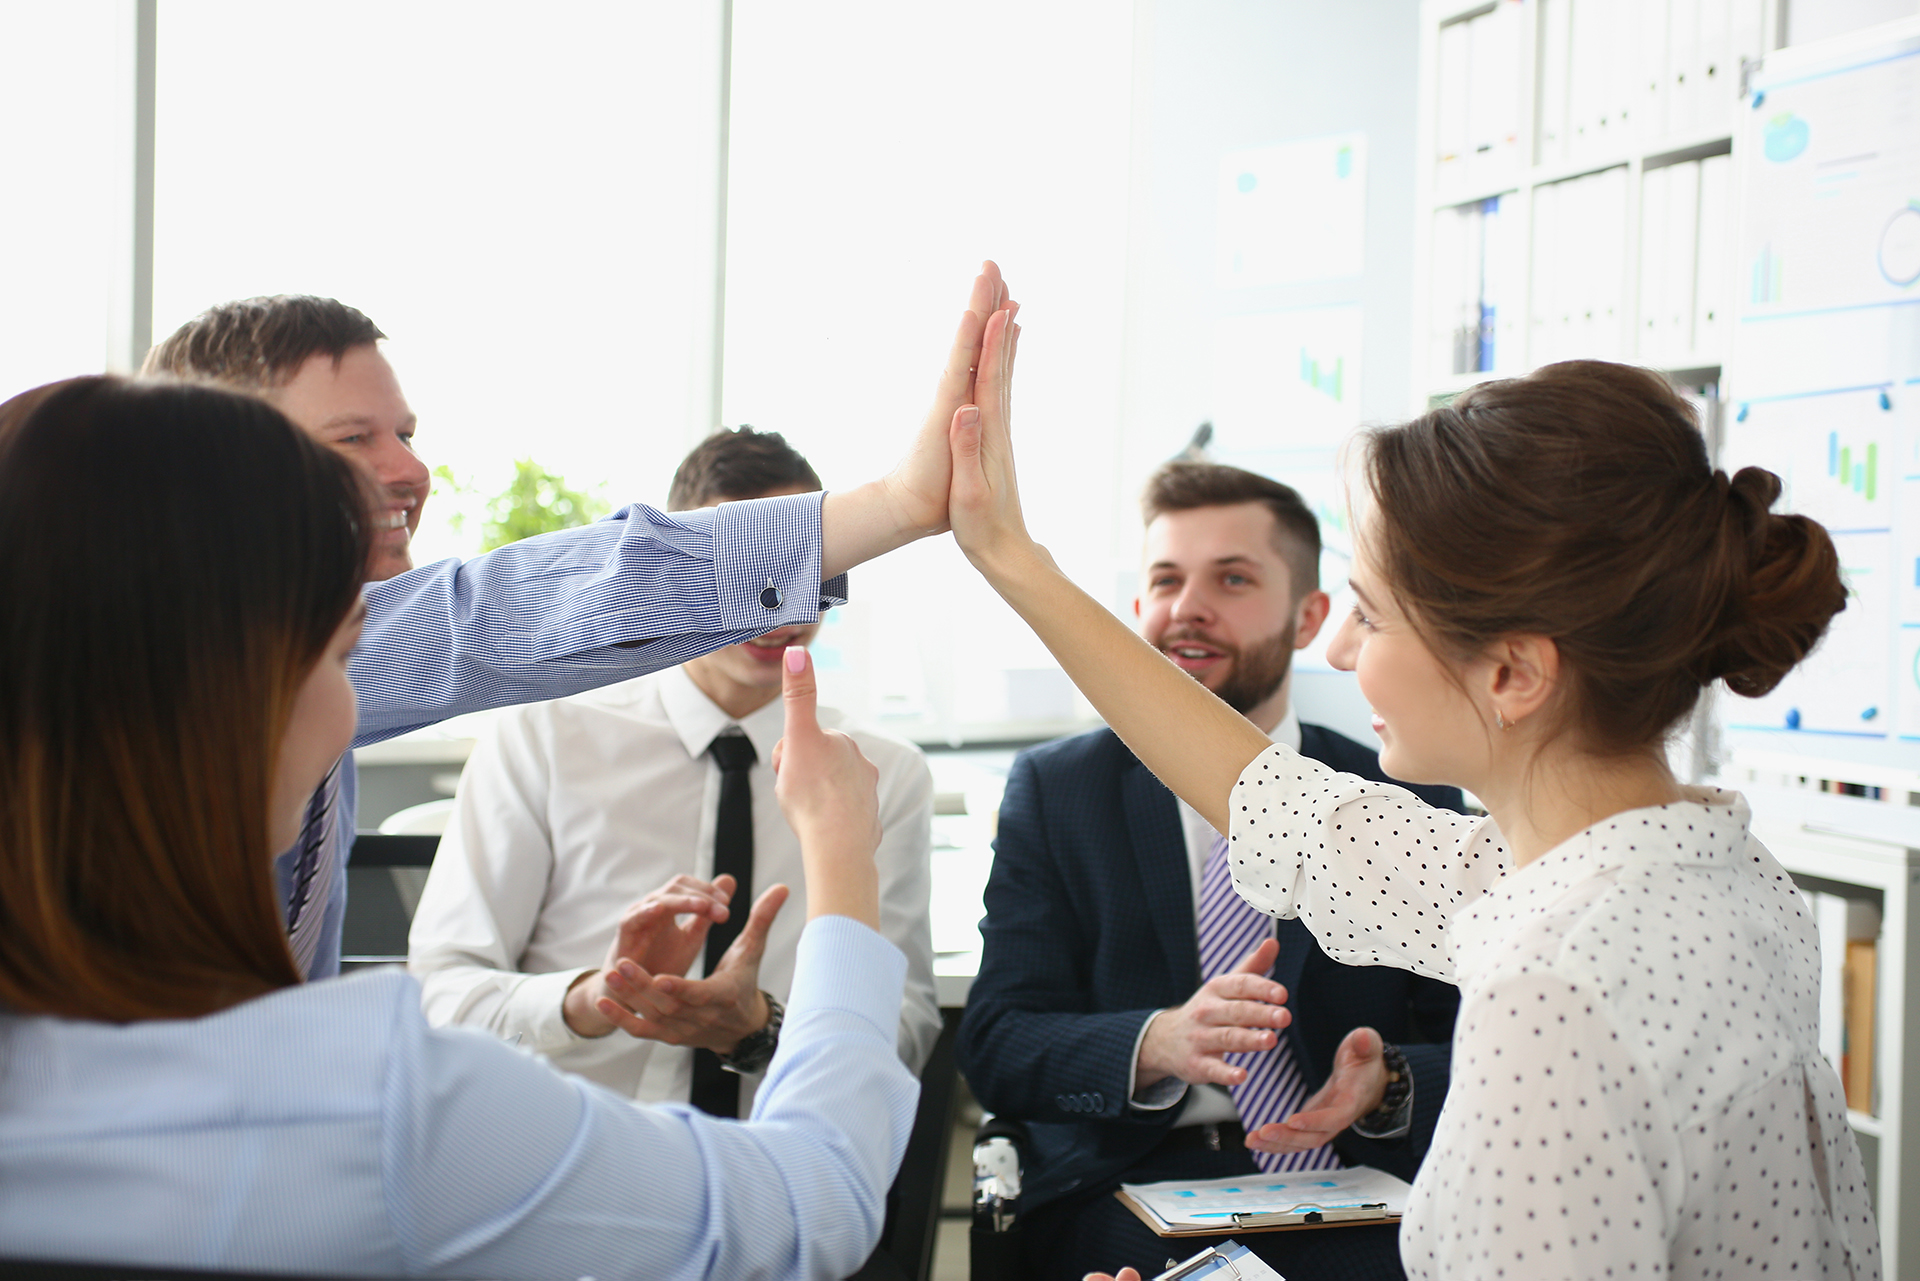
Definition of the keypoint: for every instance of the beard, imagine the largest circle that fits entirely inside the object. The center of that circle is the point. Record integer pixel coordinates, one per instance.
(1255, 672)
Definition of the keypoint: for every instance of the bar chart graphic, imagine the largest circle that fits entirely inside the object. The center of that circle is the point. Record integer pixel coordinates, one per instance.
(1855, 469)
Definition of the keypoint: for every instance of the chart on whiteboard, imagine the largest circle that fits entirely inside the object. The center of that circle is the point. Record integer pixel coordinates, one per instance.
(1824, 376)
(1840, 459)
(1286, 398)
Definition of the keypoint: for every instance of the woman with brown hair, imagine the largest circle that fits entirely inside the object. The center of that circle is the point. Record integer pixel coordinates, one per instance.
(171, 1094)
(1549, 571)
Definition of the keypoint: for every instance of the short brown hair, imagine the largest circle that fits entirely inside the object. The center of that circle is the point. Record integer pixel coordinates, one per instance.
(145, 684)
(1181, 485)
(260, 343)
(1578, 503)
(741, 463)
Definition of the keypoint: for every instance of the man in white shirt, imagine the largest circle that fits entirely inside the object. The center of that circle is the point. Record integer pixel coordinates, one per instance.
(576, 887)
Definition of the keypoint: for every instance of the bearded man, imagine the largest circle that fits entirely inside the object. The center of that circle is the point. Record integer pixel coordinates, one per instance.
(1127, 1008)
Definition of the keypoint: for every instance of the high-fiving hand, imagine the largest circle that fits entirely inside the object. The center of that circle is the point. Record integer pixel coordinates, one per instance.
(984, 503)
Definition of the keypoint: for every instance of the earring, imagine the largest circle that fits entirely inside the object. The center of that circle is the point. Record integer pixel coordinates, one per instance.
(1500, 721)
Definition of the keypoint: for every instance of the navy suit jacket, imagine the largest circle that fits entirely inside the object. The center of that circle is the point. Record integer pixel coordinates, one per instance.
(1090, 927)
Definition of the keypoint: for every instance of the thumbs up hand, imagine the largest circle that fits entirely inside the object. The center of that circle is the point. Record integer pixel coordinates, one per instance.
(830, 795)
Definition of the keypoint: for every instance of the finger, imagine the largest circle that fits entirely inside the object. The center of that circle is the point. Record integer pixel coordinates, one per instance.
(753, 935)
(1327, 1121)
(779, 750)
(1260, 960)
(798, 687)
(1245, 987)
(963, 358)
(1251, 1015)
(1357, 1049)
(688, 995)
(1236, 1040)
(1276, 1137)
(640, 1026)
(634, 988)
(650, 912)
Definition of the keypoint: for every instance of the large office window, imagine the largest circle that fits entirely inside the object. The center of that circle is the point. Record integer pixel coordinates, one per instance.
(522, 197)
(64, 139)
(879, 152)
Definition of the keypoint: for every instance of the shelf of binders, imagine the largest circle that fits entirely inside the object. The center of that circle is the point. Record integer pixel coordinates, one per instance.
(1612, 242)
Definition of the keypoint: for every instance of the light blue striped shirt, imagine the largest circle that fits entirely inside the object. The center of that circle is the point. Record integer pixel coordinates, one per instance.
(561, 613)
(327, 1129)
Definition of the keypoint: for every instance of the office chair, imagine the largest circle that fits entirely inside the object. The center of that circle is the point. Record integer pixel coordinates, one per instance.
(384, 875)
(999, 1154)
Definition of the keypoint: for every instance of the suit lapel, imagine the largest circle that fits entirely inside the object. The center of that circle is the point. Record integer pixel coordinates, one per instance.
(1160, 852)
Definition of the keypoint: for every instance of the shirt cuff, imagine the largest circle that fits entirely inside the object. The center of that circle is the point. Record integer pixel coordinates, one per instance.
(766, 563)
(1162, 1094)
(535, 1011)
(842, 965)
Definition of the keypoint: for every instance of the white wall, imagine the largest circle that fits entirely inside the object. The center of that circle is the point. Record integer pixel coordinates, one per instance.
(1220, 76)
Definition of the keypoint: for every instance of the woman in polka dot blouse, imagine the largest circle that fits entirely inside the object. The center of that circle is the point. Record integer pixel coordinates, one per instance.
(1548, 573)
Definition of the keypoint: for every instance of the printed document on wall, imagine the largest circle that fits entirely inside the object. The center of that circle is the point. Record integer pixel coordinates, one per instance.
(1291, 212)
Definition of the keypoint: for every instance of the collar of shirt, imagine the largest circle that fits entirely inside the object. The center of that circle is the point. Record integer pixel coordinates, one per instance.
(698, 720)
(1706, 831)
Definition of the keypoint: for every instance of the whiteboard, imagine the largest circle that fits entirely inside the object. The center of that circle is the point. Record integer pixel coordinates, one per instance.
(1824, 375)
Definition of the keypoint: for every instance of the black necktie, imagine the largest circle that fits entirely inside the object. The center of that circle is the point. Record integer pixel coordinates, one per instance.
(715, 1089)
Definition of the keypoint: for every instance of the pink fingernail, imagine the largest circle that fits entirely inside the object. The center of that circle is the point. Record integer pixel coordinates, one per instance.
(796, 658)
(969, 415)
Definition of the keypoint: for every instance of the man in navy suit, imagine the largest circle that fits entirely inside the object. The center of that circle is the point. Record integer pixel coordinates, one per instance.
(1090, 1020)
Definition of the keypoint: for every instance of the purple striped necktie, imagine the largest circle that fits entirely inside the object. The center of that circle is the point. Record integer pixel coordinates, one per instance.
(1229, 928)
(314, 871)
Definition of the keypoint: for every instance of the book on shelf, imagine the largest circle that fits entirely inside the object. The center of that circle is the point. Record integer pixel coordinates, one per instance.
(1849, 931)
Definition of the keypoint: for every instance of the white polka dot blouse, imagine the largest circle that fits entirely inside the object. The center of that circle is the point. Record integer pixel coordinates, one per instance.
(1637, 1085)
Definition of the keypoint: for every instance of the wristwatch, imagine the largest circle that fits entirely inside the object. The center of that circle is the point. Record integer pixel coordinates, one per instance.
(1394, 1116)
(755, 1049)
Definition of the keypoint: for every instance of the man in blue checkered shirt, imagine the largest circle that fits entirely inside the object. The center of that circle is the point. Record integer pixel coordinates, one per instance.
(553, 615)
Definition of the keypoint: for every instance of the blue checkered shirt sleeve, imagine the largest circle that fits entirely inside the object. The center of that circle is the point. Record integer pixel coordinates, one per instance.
(569, 611)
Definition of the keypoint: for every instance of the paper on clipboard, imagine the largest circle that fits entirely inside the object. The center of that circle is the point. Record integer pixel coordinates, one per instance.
(1307, 1199)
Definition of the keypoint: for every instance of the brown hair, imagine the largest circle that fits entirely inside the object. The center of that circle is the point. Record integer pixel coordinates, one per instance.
(1578, 503)
(742, 463)
(174, 559)
(1181, 485)
(260, 343)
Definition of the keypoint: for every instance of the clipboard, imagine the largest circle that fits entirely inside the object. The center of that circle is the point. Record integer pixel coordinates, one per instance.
(1279, 1202)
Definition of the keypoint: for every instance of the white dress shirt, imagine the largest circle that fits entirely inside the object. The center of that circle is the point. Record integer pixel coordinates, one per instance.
(572, 810)
(1637, 1084)
(326, 1130)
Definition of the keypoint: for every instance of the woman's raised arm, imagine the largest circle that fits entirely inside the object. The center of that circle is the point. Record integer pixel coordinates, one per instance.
(1195, 743)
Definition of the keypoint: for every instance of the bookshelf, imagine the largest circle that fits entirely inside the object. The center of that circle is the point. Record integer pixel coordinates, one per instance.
(1576, 185)
(1562, 133)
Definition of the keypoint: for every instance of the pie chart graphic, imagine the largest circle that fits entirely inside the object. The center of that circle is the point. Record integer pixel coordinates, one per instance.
(1900, 247)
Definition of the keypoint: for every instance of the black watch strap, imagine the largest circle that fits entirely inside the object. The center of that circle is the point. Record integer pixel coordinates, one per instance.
(1394, 1116)
(755, 1049)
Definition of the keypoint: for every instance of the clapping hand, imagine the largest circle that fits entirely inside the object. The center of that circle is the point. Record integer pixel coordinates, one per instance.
(642, 989)
(1358, 1084)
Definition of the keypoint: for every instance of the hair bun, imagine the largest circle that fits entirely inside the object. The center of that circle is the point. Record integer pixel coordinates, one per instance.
(1782, 582)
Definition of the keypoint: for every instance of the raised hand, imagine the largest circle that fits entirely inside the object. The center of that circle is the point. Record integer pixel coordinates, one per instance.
(830, 795)
(911, 501)
(1358, 1083)
(984, 502)
(1238, 1012)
